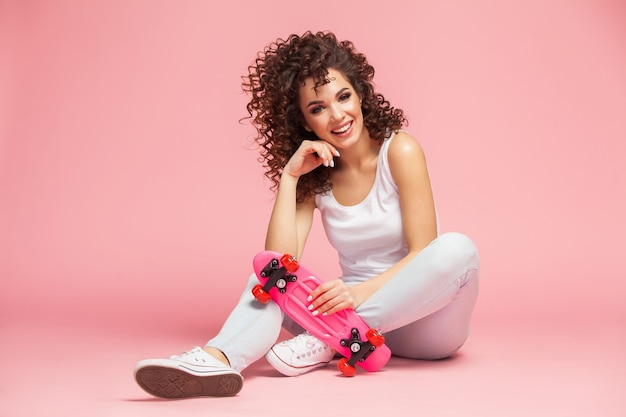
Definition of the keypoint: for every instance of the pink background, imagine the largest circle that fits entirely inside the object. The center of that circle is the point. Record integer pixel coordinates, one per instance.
(132, 203)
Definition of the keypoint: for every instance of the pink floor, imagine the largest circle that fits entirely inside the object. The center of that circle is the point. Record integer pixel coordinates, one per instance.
(512, 370)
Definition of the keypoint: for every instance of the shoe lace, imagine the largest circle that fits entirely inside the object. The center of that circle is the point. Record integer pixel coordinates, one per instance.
(305, 344)
(188, 353)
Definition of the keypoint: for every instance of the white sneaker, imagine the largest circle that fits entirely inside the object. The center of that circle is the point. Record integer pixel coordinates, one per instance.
(192, 374)
(299, 355)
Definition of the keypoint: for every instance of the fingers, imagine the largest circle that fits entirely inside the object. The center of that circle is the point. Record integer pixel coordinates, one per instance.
(324, 151)
(331, 297)
(310, 155)
(328, 154)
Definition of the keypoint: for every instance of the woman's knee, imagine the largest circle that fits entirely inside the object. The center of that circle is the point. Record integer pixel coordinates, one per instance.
(460, 248)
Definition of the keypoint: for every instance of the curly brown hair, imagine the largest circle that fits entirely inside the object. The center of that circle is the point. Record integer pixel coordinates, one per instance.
(274, 80)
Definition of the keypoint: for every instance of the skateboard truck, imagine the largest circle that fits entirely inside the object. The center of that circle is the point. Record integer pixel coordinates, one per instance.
(278, 277)
(360, 349)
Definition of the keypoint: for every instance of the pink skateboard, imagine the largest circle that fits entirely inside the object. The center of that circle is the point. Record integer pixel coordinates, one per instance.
(289, 285)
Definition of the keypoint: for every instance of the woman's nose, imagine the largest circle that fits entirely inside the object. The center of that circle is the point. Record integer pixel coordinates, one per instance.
(336, 113)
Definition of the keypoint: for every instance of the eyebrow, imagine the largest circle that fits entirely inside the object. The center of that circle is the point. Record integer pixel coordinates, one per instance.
(340, 92)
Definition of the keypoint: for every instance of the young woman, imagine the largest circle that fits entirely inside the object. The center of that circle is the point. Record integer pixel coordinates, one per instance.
(330, 142)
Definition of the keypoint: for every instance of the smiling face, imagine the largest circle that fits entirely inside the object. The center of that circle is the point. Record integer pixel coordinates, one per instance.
(333, 110)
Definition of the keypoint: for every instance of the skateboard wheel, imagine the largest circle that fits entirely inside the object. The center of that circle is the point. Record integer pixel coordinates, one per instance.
(289, 262)
(375, 337)
(260, 294)
(345, 368)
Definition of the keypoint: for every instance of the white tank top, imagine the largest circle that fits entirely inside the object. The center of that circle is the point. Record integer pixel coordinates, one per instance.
(367, 236)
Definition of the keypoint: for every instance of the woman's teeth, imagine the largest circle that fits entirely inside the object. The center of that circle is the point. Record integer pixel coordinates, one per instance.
(343, 129)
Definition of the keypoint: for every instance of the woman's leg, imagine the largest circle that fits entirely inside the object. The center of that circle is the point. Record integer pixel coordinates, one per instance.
(440, 334)
(425, 309)
(247, 334)
(249, 331)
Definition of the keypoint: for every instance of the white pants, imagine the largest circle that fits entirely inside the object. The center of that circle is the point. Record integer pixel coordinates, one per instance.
(423, 311)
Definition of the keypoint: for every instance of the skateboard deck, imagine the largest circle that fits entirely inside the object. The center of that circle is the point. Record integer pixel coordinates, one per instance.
(289, 284)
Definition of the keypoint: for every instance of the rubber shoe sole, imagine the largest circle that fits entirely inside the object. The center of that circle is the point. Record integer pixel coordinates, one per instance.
(171, 383)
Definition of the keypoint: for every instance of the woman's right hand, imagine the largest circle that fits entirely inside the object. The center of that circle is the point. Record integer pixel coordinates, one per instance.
(310, 155)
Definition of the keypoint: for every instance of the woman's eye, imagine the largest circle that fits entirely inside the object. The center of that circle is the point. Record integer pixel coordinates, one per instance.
(345, 97)
(316, 109)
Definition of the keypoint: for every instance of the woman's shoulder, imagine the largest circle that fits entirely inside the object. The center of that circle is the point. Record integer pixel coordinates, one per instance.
(406, 159)
(403, 147)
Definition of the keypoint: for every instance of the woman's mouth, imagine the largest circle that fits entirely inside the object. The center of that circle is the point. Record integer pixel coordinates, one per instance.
(342, 129)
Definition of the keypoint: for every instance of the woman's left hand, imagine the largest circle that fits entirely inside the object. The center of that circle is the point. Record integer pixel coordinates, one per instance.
(333, 296)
